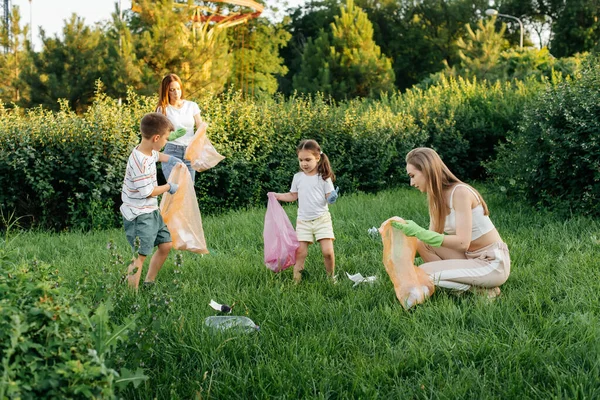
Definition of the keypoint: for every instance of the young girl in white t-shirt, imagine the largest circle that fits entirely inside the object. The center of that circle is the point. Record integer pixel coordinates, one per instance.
(313, 188)
(182, 114)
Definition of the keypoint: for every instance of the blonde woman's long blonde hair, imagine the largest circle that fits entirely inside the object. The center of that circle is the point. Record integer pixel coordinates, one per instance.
(439, 179)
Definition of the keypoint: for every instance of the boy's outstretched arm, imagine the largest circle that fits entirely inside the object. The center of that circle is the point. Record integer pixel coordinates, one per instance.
(169, 187)
(286, 196)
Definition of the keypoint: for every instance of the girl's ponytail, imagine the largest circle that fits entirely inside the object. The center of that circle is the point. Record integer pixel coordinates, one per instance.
(324, 168)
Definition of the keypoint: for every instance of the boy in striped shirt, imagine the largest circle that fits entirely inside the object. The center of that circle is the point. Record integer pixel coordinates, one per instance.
(141, 216)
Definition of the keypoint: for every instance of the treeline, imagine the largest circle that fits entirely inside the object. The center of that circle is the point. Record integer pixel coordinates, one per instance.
(344, 49)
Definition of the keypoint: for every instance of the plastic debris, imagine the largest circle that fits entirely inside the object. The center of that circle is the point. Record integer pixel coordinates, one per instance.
(358, 278)
(224, 308)
(373, 232)
(225, 322)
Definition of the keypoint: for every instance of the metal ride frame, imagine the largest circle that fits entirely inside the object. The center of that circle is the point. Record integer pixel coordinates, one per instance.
(202, 14)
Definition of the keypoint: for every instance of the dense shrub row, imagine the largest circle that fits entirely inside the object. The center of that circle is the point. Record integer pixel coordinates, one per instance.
(65, 170)
(553, 159)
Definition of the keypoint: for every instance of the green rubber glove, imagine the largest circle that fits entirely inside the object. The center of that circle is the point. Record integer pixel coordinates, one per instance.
(410, 228)
(177, 134)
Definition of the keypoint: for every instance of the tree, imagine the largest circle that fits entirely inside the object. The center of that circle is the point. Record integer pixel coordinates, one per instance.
(485, 55)
(480, 51)
(305, 22)
(256, 60)
(124, 69)
(577, 29)
(12, 87)
(345, 62)
(166, 42)
(67, 67)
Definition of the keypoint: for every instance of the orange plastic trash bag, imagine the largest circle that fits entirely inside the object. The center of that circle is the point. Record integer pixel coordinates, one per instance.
(181, 213)
(200, 152)
(412, 284)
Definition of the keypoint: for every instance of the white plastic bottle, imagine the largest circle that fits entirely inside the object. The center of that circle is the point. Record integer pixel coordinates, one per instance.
(224, 322)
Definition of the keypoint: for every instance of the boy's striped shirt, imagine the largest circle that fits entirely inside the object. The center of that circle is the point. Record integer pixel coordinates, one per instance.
(140, 181)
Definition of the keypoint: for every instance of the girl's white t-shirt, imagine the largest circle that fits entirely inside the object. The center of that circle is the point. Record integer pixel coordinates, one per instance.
(183, 118)
(311, 190)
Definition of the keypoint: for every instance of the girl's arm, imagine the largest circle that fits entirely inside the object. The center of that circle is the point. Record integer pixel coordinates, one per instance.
(286, 196)
(464, 221)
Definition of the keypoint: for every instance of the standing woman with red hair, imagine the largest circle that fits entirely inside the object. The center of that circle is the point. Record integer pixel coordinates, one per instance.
(185, 117)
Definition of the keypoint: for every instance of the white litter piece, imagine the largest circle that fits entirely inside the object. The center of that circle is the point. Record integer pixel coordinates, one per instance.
(373, 232)
(358, 278)
(219, 307)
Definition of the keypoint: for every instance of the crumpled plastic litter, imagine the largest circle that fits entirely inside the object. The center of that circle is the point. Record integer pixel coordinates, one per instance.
(358, 278)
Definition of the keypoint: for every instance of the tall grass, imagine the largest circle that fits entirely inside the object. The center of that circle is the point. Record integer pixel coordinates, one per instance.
(540, 339)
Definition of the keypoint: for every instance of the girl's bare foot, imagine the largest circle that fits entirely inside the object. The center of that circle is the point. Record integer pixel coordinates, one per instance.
(297, 275)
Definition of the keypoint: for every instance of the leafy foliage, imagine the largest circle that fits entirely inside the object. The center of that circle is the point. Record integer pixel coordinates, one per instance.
(256, 61)
(484, 54)
(67, 170)
(553, 158)
(50, 345)
(64, 170)
(14, 60)
(345, 62)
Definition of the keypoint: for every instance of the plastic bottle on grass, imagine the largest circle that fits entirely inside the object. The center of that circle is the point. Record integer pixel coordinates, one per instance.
(224, 322)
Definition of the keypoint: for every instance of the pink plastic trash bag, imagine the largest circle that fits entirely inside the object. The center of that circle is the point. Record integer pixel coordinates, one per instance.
(200, 152)
(280, 237)
(181, 213)
(412, 284)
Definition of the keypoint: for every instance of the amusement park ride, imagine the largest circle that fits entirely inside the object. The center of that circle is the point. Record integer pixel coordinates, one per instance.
(206, 12)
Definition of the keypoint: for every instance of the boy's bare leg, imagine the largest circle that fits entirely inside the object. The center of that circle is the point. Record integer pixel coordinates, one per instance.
(301, 254)
(157, 261)
(133, 278)
(328, 256)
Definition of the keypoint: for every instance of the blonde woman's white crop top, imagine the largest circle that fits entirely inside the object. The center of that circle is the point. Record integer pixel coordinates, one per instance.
(482, 224)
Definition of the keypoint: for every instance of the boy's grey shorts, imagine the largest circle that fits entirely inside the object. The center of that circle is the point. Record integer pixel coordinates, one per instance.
(150, 228)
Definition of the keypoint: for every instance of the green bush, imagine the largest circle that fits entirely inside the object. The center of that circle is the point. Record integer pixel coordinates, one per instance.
(60, 169)
(50, 345)
(66, 171)
(465, 120)
(553, 159)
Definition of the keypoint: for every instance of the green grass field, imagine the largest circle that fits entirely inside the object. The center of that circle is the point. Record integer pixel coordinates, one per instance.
(540, 339)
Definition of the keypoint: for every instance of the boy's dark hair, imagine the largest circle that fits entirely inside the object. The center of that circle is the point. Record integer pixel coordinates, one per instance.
(323, 167)
(155, 124)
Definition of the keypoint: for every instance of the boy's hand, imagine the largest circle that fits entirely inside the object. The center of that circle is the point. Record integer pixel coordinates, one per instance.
(333, 195)
(174, 160)
(172, 187)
